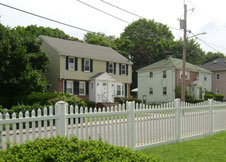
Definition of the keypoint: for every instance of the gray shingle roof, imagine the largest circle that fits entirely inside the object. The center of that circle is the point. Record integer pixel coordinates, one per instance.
(84, 50)
(173, 63)
(215, 65)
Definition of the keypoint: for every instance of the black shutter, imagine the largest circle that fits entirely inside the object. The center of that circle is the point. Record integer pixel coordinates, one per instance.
(126, 90)
(91, 65)
(76, 63)
(76, 87)
(82, 64)
(107, 66)
(114, 68)
(127, 69)
(87, 88)
(65, 86)
(120, 69)
(67, 62)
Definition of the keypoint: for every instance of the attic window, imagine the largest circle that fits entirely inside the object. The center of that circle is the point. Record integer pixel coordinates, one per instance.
(215, 61)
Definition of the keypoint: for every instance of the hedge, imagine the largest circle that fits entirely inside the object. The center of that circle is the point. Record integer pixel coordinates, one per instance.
(62, 149)
(219, 97)
(208, 96)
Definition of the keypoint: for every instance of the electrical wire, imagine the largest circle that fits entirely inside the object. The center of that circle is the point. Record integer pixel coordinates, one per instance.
(103, 11)
(132, 13)
(42, 17)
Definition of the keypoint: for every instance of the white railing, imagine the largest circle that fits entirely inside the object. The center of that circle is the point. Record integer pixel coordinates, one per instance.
(134, 126)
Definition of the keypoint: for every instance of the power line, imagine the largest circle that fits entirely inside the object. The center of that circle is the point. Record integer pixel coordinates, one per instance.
(132, 13)
(122, 9)
(33, 14)
(103, 11)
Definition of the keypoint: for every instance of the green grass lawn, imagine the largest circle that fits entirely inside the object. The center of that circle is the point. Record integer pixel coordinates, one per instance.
(208, 149)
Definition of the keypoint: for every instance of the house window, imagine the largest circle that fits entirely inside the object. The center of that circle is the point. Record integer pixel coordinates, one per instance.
(111, 67)
(71, 63)
(151, 75)
(118, 90)
(123, 69)
(151, 91)
(82, 86)
(218, 76)
(164, 91)
(205, 78)
(187, 75)
(217, 90)
(164, 74)
(87, 65)
(70, 87)
(123, 90)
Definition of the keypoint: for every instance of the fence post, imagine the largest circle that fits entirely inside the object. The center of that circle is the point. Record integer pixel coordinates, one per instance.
(130, 106)
(178, 122)
(61, 123)
(210, 115)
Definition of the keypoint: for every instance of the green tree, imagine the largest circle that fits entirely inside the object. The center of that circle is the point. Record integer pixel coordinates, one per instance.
(210, 56)
(145, 42)
(100, 39)
(21, 65)
(194, 53)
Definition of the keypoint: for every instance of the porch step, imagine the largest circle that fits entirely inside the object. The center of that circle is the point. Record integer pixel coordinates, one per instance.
(106, 104)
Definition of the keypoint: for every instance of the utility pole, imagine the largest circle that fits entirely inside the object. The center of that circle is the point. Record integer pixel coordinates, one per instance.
(184, 53)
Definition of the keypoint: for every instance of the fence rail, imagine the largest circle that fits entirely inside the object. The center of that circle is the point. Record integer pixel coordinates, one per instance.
(132, 125)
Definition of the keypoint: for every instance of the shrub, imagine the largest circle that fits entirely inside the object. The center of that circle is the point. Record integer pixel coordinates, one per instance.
(219, 97)
(64, 149)
(39, 97)
(208, 96)
(90, 104)
(23, 108)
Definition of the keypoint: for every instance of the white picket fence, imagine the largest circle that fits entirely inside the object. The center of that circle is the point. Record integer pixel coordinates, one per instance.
(134, 126)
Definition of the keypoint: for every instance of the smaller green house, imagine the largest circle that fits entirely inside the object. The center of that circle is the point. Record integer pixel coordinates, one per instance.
(157, 82)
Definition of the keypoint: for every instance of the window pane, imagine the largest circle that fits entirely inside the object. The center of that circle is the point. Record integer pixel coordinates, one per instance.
(71, 63)
(151, 74)
(70, 87)
(123, 69)
(87, 65)
(82, 88)
(110, 67)
(118, 90)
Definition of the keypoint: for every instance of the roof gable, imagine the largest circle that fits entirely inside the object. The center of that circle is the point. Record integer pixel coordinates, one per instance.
(102, 76)
(173, 63)
(84, 50)
(216, 64)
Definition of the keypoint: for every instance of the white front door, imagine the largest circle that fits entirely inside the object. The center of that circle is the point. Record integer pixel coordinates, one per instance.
(104, 91)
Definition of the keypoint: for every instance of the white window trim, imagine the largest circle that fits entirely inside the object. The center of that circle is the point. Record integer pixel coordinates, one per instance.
(164, 91)
(187, 73)
(119, 90)
(111, 63)
(163, 74)
(123, 65)
(218, 75)
(151, 90)
(70, 82)
(85, 65)
(151, 74)
(84, 83)
(217, 90)
(73, 64)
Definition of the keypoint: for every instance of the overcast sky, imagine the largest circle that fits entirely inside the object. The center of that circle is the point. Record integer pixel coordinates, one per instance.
(209, 16)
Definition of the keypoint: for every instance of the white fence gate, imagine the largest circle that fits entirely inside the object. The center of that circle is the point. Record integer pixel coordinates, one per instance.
(134, 126)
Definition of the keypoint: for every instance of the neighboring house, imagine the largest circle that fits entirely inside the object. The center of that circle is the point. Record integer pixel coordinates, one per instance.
(157, 82)
(218, 69)
(92, 72)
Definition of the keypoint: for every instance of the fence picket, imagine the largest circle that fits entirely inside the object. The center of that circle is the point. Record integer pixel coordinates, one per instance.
(136, 127)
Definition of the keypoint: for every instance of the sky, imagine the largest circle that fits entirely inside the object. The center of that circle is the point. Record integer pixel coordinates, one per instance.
(207, 16)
